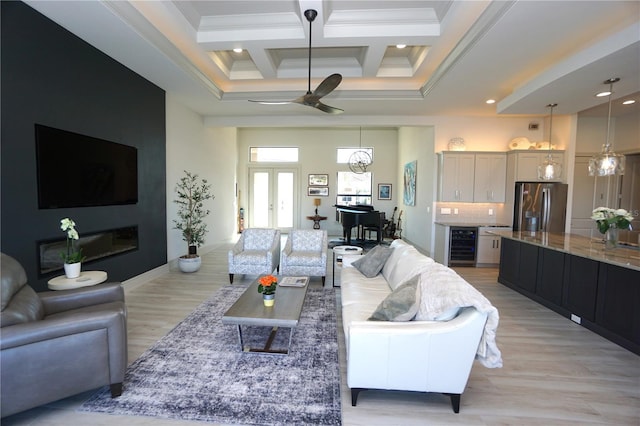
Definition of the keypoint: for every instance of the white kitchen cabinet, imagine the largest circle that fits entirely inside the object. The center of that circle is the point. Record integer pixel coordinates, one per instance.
(456, 176)
(488, 252)
(523, 165)
(490, 178)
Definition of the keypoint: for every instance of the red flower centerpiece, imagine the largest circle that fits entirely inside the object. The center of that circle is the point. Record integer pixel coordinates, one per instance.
(267, 286)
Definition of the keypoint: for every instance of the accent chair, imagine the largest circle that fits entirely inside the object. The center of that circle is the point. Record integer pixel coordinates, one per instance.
(305, 253)
(55, 344)
(257, 251)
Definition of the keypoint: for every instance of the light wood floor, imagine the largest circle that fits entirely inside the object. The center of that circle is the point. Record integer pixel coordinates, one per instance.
(555, 372)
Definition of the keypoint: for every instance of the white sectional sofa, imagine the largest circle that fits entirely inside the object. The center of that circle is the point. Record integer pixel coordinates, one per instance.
(429, 344)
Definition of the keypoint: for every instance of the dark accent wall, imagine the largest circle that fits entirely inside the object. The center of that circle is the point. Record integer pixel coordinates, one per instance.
(51, 77)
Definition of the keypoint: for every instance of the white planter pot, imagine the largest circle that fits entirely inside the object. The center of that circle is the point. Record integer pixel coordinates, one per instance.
(72, 270)
(189, 264)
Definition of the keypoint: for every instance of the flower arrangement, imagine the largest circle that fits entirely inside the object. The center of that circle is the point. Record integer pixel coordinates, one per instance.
(71, 255)
(606, 218)
(267, 284)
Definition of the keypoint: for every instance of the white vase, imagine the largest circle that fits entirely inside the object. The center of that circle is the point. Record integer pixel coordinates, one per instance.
(72, 270)
(189, 264)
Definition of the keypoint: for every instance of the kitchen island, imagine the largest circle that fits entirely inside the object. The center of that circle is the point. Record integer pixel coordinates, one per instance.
(578, 278)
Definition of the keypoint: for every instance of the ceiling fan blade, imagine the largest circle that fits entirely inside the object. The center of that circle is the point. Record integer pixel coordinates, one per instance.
(328, 85)
(272, 102)
(328, 109)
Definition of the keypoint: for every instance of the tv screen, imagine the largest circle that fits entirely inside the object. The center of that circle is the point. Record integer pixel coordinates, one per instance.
(80, 171)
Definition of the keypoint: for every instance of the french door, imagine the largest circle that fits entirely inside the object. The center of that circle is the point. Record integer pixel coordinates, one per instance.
(272, 197)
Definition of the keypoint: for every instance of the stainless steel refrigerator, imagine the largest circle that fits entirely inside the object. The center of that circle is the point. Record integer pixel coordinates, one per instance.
(540, 206)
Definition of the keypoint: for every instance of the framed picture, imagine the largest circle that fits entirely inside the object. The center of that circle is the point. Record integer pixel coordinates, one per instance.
(318, 192)
(384, 191)
(318, 180)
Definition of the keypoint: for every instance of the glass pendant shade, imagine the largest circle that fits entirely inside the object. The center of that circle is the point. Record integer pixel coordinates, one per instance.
(607, 163)
(550, 169)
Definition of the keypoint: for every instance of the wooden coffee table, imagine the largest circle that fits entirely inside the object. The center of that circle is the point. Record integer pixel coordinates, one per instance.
(250, 310)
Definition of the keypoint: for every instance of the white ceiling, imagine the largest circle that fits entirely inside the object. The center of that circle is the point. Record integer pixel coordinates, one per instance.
(524, 54)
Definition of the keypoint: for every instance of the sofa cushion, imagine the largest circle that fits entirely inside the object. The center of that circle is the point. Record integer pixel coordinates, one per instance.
(371, 263)
(401, 305)
(408, 263)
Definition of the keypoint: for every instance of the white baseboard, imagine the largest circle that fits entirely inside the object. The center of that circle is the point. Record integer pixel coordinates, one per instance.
(138, 280)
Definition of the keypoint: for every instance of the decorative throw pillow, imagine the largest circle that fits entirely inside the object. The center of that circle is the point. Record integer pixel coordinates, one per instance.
(401, 305)
(371, 263)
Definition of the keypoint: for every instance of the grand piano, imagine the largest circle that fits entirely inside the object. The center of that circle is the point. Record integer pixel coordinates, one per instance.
(362, 217)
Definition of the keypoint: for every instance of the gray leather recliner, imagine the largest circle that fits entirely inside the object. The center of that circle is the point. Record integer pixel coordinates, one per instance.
(58, 343)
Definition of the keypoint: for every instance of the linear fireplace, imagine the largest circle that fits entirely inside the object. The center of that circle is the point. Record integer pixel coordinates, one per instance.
(94, 246)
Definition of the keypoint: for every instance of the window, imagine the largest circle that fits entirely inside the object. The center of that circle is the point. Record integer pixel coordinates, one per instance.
(267, 154)
(345, 153)
(354, 188)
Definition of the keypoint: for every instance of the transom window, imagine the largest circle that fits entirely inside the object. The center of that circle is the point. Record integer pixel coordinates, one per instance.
(345, 153)
(269, 154)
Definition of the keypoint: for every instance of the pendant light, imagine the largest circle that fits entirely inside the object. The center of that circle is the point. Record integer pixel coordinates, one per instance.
(360, 160)
(607, 163)
(550, 169)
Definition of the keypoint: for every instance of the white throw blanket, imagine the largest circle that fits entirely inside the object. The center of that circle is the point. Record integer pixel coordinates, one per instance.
(442, 290)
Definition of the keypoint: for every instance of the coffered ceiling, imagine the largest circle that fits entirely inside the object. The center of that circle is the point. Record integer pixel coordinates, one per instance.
(458, 54)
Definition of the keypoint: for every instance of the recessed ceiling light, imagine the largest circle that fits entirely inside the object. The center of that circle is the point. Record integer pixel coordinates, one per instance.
(401, 46)
(602, 94)
(491, 101)
(237, 50)
(629, 102)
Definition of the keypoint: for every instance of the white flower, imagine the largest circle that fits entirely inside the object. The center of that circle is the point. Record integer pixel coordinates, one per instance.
(73, 234)
(67, 223)
(623, 213)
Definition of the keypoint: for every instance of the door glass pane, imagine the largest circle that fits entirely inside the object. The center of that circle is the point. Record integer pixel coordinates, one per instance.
(260, 200)
(285, 200)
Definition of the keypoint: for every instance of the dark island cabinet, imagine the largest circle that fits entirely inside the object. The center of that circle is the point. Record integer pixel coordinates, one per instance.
(601, 297)
(618, 307)
(509, 262)
(581, 287)
(551, 272)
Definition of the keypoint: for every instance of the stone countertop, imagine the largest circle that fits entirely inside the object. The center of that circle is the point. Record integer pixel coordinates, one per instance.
(473, 224)
(623, 256)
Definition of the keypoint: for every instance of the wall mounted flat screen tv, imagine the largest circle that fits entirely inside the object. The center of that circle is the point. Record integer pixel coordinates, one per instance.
(75, 170)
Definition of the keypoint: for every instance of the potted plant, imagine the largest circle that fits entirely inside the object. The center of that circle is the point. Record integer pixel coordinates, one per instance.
(192, 193)
(72, 256)
(267, 286)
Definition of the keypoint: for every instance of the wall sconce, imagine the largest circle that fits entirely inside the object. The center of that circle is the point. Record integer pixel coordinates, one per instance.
(316, 202)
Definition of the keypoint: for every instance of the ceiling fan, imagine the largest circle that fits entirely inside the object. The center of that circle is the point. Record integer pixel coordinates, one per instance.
(310, 98)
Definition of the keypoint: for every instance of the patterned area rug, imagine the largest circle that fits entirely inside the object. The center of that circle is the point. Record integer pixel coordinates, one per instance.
(197, 372)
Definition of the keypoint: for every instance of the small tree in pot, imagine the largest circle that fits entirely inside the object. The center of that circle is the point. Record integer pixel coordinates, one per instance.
(192, 193)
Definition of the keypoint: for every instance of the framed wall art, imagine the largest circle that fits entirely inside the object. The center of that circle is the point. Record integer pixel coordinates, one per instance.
(318, 180)
(318, 191)
(410, 183)
(384, 191)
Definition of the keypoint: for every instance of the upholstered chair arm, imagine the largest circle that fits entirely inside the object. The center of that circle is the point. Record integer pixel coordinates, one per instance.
(65, 300)
(238, 247)
(288, 247)
(100, 334)
(64, 325)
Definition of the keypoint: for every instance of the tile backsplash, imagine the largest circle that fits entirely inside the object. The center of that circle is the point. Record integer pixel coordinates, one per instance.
(489, 213)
